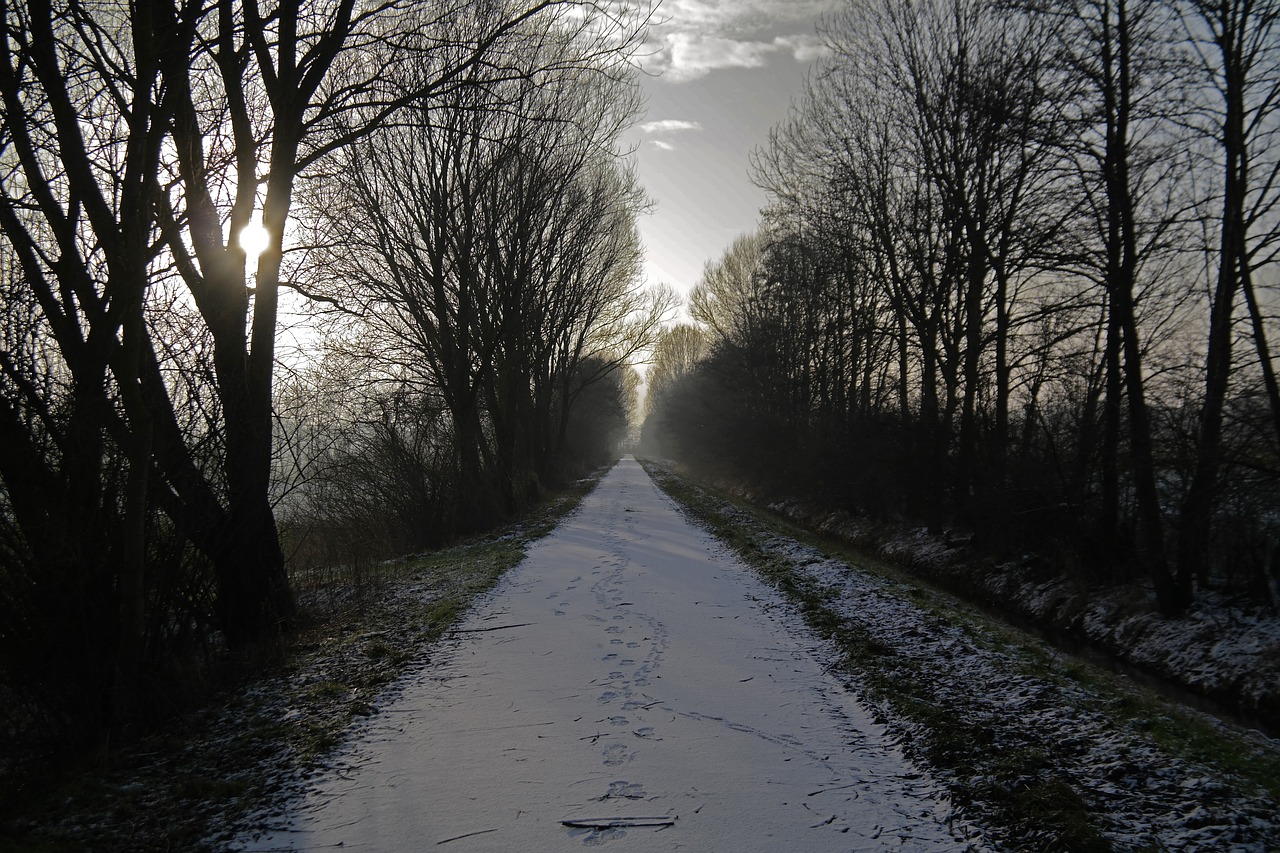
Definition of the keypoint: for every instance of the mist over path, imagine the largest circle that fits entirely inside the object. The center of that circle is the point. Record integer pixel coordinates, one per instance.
(633, 678)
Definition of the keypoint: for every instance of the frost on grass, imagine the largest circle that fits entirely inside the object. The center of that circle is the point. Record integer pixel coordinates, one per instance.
(630, 684)
(1041, 749)
(1221, 651)
(229, 767)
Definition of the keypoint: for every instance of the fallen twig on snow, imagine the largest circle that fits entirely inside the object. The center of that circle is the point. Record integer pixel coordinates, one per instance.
(618, 822)
(465, 835)
(494, 628)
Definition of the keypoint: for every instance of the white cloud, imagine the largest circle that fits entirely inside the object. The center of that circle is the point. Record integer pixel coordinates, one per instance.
(742, 17)
(669, 125)
(697, 37)
(694, 56)
(805, 48)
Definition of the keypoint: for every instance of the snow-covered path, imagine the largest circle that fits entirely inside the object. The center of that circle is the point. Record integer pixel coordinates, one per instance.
(630, 684)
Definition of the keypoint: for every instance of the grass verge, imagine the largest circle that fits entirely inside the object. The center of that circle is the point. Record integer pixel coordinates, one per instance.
(1023, 789)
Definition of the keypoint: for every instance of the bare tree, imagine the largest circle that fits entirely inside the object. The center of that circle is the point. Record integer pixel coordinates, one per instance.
(489, 238)
(138, 139)
(1119, 93)
(84, 130)
(1238, 48)
(978, 232)
(720, 297)
(675, 355)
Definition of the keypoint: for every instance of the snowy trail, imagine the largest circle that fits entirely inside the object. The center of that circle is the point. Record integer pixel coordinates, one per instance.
(630, 676)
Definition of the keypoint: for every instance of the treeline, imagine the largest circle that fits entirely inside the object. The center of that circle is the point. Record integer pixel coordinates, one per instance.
(479, 263)
(452, 228)
(1018, 274)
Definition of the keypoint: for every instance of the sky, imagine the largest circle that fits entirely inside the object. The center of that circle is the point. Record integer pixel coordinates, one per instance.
(719, 75)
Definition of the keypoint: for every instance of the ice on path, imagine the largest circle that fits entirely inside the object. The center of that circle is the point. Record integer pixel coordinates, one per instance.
(629, 668)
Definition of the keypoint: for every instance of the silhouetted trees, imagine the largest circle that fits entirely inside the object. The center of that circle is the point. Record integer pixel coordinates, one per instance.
(1237, 45)
(139, 359)
(1001, 237)
(486, 245)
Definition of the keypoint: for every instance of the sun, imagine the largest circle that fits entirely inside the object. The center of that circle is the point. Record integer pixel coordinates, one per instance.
(254, 238)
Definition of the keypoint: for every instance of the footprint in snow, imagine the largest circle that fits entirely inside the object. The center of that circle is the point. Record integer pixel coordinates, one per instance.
(624, 791)
(616, 754)
(598, 837)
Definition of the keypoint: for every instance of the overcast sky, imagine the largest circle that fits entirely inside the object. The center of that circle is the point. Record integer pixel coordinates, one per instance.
(723, 72)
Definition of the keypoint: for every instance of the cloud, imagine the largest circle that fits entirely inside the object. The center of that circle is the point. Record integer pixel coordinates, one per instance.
(805, 48)
(694, 56)
(697, 37)
(684, 56)
(669, 125)
(742, 17)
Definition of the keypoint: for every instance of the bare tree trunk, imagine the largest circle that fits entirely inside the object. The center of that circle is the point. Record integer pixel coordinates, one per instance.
(1001, 440)
(1151, 547)
(131, 587)
(970, 475)
(1112, 404)
(1122, 266)
(1229, 21)
(1264, 351)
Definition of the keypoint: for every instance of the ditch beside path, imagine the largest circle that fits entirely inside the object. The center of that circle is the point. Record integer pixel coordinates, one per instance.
(630, 684)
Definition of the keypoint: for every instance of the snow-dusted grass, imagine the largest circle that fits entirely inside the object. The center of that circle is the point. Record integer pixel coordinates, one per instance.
(1225, 651)
(631, 683)
(1045, 751)
(216, 771)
